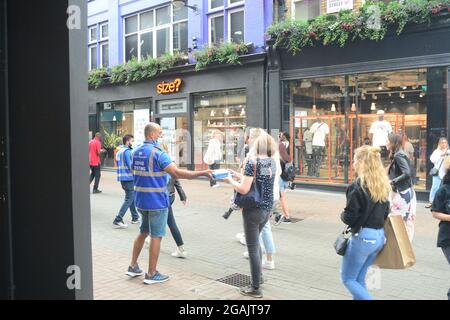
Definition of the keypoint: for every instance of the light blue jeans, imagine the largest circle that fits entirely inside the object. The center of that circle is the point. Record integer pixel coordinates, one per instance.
(266, 239)
(435, 187)
(362, 249)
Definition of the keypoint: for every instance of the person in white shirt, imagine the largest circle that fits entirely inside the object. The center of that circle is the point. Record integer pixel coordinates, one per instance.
(437, 158)
(213, 155)
(379, 131)
(320, 130)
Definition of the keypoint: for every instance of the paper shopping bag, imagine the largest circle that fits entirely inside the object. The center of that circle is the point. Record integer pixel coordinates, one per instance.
(397, 253)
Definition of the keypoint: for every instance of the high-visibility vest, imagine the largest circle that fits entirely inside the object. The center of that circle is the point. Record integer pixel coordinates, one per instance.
(124, 173)
(150, 181)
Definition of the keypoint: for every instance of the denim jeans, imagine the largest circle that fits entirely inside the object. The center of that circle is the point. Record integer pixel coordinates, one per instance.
(362, 249)
(172, 224)
(446, 251)
(254, 221)
(435, 187)
(266, 239)
(128, 187)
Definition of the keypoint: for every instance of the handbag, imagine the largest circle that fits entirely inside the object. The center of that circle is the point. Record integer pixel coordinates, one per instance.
(253, 197)
(397, 253)
(434, 172)
(340, 245)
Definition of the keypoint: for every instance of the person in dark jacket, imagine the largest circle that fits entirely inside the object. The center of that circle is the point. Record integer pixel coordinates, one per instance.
(441, 211)
(403, 196)
(366, 210)
(172, 185)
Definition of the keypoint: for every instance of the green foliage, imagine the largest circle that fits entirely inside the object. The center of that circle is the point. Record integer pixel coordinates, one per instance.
(97, 77)
(134, 70)
(371, 21)
(228, 53)
(111, 140)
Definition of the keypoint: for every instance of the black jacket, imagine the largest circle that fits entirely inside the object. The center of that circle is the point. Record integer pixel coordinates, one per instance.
(175, 184)
(400, 172)
(361, 211)
(440, 205)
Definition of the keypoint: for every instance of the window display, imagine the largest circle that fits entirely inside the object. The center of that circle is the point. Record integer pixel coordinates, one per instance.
(224, 113)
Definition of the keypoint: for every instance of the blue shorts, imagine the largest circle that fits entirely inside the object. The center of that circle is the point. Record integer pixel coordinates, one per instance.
(283, 185)
(154, 222)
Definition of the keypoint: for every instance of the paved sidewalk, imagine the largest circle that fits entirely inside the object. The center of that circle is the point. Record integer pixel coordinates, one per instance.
(306, 265)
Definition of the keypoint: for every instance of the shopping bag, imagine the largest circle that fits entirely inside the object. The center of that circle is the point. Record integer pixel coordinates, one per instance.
(397, 253)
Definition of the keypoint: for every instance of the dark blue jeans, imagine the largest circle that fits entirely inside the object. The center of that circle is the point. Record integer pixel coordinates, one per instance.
(128, 187)
(176, 234)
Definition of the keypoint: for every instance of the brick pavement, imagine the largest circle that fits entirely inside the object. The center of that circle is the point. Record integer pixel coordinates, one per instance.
(306, 264)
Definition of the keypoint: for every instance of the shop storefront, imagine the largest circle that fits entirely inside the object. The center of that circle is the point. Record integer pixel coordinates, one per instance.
(191, 108)
(333, 99)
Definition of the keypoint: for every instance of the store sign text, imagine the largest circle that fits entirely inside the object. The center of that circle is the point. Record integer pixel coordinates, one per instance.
(169, 87)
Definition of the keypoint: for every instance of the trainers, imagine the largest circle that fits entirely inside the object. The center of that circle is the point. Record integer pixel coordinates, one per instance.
(251, 292)
(179, 253)
(119, 224)
(245, 254)
(286, 220)
(134, 271)
(278, 218)
(96, 191)
(136, 221)
(156, 278)
(239, 236)
(269, 265)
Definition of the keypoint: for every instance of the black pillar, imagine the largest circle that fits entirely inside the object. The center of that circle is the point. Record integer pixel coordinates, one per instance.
(436, 111)
(48, 130)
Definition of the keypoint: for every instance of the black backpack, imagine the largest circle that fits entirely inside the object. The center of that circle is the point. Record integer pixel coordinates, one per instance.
(287, 171)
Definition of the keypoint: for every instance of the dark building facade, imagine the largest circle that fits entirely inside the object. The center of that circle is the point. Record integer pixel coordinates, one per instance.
(406, 76)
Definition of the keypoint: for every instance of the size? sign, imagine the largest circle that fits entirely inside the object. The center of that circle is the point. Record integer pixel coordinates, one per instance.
(169, 87)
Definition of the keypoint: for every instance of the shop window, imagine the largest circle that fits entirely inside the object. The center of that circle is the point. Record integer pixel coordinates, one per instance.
(236, 21)
(117, 119)
(343, 110)
(306, 9)
(220, 114)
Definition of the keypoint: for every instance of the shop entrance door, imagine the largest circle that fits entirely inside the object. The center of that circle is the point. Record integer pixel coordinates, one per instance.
(176, 138)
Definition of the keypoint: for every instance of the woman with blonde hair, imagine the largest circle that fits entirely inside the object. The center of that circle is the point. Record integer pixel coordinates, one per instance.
(366, 210)
(260, 167)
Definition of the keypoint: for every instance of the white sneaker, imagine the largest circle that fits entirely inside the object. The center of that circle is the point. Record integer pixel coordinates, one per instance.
(179, 254)
(239, 236)
(119, 225)
(270, 265)
(246, 254)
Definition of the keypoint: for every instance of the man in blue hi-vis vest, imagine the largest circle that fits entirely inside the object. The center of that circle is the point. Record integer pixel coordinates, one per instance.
(125, 176)
(150, 166)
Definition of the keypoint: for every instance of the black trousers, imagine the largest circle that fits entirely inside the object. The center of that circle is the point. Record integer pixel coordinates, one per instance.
(95, 173)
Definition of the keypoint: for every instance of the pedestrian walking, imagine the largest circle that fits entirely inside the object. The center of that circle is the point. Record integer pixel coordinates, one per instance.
(366, 210)
(125, 176)
(260, 169)
(441, 211)
(172, 185)
(150, 166)
(438, 171)
(403, 197)
(285, 158)
(95, 147)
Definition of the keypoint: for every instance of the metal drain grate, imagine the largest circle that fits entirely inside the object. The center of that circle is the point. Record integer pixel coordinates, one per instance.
(236, 280)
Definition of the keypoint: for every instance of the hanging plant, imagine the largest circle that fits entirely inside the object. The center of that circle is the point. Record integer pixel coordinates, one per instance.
(371, 21)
